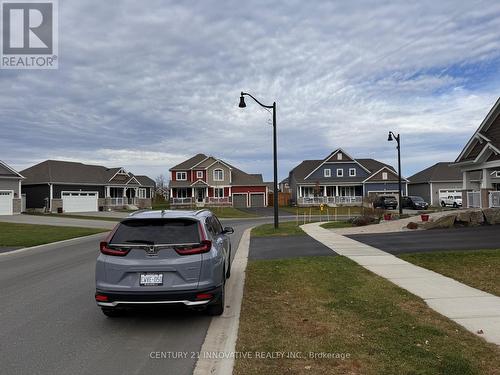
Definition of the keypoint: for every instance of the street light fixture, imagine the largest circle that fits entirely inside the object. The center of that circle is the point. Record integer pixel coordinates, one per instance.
(275, 153)
(390, 138)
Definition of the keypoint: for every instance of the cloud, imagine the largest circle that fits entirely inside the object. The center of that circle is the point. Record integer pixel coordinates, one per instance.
(146, 84)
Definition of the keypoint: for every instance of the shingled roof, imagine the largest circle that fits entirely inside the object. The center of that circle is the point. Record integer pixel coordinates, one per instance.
(57, 171)
(443, 172)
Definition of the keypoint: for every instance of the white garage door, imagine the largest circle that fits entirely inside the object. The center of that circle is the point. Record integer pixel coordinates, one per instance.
(77, 201)
(6, 204)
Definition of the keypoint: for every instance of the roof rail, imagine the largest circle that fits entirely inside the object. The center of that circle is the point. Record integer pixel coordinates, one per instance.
(200, 211)
(137, 212)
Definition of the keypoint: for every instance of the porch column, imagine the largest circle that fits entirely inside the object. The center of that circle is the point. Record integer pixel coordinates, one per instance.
(337, 190)
(107, 193)
(192, 193)
(486, 179)
(466, 183)
(324, 191)
(124, 192)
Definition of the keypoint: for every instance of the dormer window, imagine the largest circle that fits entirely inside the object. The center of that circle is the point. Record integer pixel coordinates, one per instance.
(181, 176)
(339, 156)
(384, 175)
(352, 172)
(218, 175)
(199, 174)
(327, 173)
(340, 172)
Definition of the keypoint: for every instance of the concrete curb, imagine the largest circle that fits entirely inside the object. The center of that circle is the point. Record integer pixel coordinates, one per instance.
(216, 355)
(76, 239)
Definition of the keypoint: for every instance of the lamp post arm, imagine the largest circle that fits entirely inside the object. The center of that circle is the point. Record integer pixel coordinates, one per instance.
(262, 105)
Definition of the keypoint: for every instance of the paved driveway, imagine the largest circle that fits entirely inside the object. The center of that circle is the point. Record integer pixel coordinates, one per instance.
(487, 237)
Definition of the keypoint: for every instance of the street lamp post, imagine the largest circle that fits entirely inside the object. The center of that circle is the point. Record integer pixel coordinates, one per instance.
(390, 138)
(275, 152)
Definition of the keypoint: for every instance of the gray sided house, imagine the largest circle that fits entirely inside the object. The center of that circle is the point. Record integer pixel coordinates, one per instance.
(481, 155)
(55, 185)
(341, 179)
(10, 190)
(439, 181)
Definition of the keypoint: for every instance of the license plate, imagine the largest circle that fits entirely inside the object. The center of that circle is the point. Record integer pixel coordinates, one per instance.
(151, 279)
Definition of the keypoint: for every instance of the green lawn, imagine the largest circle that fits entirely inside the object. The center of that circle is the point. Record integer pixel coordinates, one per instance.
(24, 235)
(477, 268)
(230, 212)
(76, 216)
(163, 205)
(287, 228)
(336, 224)
(332, 305)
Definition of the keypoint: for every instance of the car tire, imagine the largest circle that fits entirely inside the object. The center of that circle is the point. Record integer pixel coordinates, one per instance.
(455, 205)
(443, 204)
(217, 308)
(111, 312)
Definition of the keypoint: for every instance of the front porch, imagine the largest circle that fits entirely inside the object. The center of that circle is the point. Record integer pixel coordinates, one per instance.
(489, 193)
(122, 197)
(331, 195)
(199, 197)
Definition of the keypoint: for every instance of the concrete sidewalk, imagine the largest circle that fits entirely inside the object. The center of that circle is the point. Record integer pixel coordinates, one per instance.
(473, 309)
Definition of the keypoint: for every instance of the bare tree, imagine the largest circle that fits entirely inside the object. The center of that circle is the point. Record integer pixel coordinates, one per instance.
(161, 181)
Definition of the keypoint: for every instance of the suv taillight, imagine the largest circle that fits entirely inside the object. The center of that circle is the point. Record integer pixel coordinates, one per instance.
(203, 247)
(106, 249)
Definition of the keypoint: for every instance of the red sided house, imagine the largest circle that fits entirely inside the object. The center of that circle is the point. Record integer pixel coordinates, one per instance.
(207, 181)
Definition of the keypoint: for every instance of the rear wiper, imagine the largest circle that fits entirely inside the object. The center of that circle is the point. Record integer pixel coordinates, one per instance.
(145, 242)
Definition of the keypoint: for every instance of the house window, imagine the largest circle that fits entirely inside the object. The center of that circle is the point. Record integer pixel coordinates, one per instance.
(384, 175)
(327, 172)
(339, 156)
(219, 192)
(218, 175)
(352, 172)
(340, 173)
(199, 174)
(181, 176)
(142, 193)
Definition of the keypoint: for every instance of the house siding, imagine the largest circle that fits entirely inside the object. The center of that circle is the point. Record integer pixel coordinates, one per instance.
(10, 184)
(36, 195)
(379, 187)
(319, 176)
(210, 175)
(421, 190)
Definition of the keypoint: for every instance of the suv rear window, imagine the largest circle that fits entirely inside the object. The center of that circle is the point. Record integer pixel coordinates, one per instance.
(157, 231)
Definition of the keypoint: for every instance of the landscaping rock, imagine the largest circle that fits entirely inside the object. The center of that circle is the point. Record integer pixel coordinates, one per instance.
(443, 222)
(492, 215)
(470, 217)
(412, 225)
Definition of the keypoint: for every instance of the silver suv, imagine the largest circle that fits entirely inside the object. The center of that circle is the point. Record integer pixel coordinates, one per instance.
(164, 257)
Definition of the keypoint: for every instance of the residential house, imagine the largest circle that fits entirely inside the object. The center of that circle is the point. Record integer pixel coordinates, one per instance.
(284, 186)
(63, 186)
(482, 154)
(439, 181)
(341, 179)
(10, 190)
(205, 180)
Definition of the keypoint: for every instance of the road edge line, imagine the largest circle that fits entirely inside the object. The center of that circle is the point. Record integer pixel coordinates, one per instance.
(217, 352)
(22, 250)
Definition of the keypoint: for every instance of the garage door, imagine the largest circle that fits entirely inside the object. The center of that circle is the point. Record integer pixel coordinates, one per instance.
(239, 200)
(257, 200)
(6, 203)
(77, 201)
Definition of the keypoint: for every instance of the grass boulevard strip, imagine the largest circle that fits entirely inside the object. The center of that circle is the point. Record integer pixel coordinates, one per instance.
(26, 235)
(332, 305)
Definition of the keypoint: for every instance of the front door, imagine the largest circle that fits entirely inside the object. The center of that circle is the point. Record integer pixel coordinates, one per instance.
(200, 195)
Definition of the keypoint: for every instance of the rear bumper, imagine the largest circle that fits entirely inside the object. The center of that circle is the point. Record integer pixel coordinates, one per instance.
(187, 298)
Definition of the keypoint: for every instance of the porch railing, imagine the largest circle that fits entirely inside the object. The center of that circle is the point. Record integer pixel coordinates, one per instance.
(315, 201)
(218, 201)
(473, 199)
(121, 201)
(494, 198)
(181, 200)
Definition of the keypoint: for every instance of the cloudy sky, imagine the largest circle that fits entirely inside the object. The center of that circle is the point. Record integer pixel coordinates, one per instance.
(145, 85)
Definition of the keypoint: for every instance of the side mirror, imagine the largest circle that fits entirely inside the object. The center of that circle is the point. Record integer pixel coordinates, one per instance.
(228, 230)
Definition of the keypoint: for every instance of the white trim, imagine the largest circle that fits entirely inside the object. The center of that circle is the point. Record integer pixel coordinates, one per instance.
(11, 169)
(194, 183)
(354, 174)
(380, 170)
(194, 166)
(133, 178)
(340, 170)
(120, 171)
(218, 188)
(218, 161)
(198, 176)
(432, 194)
(487, 146)
(180, 179)
(329, 172)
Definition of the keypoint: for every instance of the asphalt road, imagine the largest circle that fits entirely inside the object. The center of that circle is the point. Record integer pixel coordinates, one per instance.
(487, 237)
(50, 324)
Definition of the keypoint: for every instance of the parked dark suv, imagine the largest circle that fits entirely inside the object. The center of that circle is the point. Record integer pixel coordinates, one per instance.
(164, 257)
(388, 202)
(415, 203)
